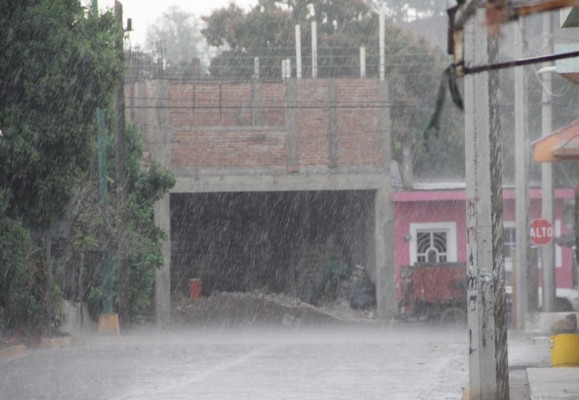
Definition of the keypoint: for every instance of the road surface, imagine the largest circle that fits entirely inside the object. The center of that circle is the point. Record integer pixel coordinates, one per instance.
(411, 362)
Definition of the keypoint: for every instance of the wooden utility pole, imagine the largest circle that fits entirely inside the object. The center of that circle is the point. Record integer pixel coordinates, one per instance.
(487, 327)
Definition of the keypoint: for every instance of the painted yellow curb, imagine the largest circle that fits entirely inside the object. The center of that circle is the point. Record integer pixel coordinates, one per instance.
(48, 343)
(13, 352)
(109, 325)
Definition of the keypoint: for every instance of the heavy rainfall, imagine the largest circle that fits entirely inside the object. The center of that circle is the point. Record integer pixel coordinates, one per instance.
(315, 199)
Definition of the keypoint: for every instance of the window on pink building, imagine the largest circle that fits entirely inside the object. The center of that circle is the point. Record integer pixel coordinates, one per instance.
(431, 246)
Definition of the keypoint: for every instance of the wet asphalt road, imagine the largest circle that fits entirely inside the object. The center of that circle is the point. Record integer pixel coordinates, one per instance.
(333, 363)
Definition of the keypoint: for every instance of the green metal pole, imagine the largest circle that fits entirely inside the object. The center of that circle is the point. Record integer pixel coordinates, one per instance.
(107, 264)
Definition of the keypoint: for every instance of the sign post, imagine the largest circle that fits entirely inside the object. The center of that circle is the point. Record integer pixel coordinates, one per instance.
(541, 232)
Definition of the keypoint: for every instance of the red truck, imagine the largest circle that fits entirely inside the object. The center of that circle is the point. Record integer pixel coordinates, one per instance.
(434, 291)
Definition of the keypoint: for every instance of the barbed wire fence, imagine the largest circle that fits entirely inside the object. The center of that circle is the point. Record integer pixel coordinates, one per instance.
(266, 64)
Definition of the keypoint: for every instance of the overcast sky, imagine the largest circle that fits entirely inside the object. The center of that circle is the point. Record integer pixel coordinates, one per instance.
(144, 13)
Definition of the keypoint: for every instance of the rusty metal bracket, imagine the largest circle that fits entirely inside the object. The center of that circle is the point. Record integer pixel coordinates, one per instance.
(497, 13)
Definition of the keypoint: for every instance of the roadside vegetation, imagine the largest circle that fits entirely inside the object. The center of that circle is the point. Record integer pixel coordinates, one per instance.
(57, 66)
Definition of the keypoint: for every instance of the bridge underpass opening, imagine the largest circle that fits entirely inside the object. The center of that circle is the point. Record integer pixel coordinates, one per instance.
(271, 242)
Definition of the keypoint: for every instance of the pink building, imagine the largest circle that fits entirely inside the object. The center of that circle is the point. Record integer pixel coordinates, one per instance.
(430, 225)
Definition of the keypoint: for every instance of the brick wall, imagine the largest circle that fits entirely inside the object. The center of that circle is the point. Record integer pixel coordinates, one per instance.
(358, 123)
(245, 125)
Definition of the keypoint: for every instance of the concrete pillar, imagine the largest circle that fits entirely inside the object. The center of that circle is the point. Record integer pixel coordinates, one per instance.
(298, 52)
(332, 126)
(383, 220)
(163, 275)
(292, 125)
(547, 186)
(161, 152)
(384, 250)
(487, 328)
(522, 151)
(382, 45)
(362, 62)
(255, 101)
(314, 49)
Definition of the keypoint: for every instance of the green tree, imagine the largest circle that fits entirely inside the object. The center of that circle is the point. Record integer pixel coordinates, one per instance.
(176, 39)
(94, 227)
(412, 67)
(145, 188)
(57, 65)
(20, 298)
(411, 9)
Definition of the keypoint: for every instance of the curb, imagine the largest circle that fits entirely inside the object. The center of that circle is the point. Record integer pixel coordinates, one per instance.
(19, 351)
(49, 343)
(13, 352)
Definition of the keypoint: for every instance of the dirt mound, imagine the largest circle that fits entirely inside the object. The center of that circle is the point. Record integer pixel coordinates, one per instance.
(248, 309)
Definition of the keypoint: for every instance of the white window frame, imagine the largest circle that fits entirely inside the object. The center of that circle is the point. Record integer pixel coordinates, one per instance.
(451, 244)
(509, 260)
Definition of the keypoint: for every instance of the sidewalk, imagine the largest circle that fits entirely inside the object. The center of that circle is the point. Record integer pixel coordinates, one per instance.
(530, 355)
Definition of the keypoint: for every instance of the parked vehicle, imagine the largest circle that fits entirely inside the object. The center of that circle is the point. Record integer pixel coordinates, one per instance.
(435, 291)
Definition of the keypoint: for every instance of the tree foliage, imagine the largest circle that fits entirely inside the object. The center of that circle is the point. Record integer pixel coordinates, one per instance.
(412, 67)
(145, 188)
(411, 9)
(96, 226)
(57, 66)
(20, 300)
(176, 39)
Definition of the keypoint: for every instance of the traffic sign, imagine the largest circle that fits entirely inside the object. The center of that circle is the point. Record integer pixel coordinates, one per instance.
(541, 232)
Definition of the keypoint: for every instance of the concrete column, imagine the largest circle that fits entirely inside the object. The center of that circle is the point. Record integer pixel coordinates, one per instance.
(548, 250)
(161, 152)
(292, 125)
(385, 126)
(522, 152)
(383, 220)
(382, 45)
(255, 115)
(362, 62)
(314, 49)
(487, 329)
(298, 52)
(384, 250)
(163, 275)
(332, 127)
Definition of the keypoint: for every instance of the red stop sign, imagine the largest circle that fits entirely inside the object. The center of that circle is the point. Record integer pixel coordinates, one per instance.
(541, 231)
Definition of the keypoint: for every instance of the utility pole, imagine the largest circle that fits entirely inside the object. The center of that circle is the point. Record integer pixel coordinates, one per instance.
(548, 250)
(487, 328)
(522, 223)
(120, 110)
(121, 170)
